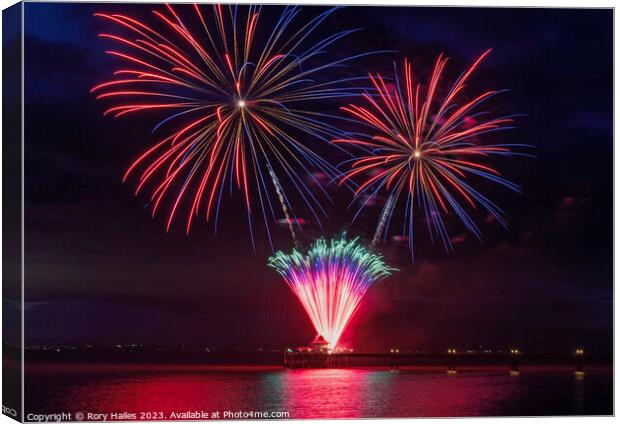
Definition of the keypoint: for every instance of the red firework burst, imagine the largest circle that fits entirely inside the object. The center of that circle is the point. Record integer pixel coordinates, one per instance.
(237, 102)
(424, 148)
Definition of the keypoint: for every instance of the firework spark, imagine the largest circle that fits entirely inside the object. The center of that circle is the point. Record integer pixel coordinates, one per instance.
(330, 280)
(423, 149)
(235, 92)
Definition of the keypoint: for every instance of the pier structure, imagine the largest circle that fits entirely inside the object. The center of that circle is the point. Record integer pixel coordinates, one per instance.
(395, 358)
(579, 359)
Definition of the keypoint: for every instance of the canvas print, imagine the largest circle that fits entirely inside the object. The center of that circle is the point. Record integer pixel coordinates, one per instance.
(252, 211)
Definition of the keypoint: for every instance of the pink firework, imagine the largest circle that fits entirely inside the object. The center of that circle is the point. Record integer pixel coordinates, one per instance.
(330, 280)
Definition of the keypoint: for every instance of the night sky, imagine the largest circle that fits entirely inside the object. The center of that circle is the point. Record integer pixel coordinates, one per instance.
(100, 269)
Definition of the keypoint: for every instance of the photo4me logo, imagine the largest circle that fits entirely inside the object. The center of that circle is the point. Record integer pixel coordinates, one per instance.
(244, 415)
(227, 415)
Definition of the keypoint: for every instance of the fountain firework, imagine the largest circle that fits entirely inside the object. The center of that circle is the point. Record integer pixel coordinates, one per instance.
(330, 280)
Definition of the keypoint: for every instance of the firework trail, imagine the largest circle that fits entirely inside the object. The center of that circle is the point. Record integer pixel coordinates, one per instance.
(423, 148)
(289, 220)
(330, 280)
(235, 93)
(388, 209)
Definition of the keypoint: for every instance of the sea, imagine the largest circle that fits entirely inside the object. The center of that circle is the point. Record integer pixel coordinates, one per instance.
(112, 392)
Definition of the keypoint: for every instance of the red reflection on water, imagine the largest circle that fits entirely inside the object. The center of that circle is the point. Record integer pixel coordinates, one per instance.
(350, 393)
(309, 393)
(137, 389)
(324, 393)
(317, 393)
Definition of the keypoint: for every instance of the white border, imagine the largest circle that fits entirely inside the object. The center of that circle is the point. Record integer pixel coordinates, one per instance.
(497, 3)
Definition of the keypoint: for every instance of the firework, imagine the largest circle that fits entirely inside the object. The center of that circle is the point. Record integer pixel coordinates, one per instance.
(423, 148)
(330, 280)
(235, 92)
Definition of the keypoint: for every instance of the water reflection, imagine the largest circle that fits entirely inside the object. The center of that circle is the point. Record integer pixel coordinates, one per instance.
(337, 393)
(579, 392)
(321, 393)
(355, 393)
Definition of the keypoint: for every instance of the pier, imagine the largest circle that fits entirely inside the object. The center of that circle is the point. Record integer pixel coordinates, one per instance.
(512, 359)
